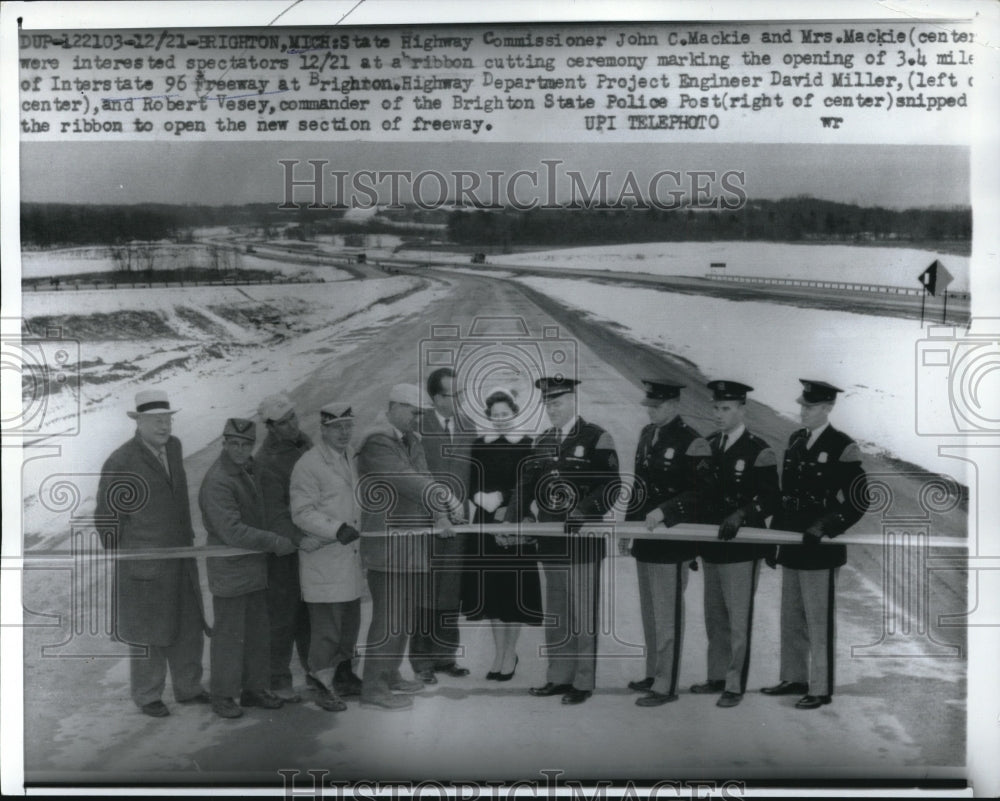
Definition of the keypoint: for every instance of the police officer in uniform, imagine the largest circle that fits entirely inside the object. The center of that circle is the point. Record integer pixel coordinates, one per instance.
(571, 478)
(744, 492)
(671, 467)
(824, 492)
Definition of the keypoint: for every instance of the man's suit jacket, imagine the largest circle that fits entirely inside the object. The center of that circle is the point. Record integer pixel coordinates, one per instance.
(449, 460)
(139, 506)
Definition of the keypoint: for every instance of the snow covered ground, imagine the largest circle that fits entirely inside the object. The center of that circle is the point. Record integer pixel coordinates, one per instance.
(892, 266)
(215, 350)
(872, 358)
(73, 261)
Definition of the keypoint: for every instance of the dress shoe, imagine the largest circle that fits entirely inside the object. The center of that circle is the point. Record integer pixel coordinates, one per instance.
(641, 686)
(452, 670)
(549, 688)
(314, 684)
(287, 695)
(263, 698)
(492, 675)
(655, 699)
(331, 703)
(225, 707)
(813, 701)
(408, 687)
(155, 709)
(508, 676)
(426, 676)
(728, 699)
(345, 681)
(388, 701)
(575, 696)
(787, 688)
(201, 698)
(709, 687)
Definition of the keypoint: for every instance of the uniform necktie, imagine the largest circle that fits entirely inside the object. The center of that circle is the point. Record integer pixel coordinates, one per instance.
(722, 444)
(656, 436)
(447, 427)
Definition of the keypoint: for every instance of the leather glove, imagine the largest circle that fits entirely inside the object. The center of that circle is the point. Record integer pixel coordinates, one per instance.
(812, 536)
(730, 526)
(347, 534)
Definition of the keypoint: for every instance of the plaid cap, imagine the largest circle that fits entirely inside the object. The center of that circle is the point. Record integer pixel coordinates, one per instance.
(240, 427)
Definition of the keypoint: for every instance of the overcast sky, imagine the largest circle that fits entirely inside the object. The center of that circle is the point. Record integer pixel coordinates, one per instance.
(242, 172)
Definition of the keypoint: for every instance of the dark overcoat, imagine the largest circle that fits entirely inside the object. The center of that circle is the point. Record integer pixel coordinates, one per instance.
(139, 506)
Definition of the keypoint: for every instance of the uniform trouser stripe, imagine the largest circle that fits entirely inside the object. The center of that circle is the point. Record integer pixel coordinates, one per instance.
(678, 625)
(746, 658)
(830, 618)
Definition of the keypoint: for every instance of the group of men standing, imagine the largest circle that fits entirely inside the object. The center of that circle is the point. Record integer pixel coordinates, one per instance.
(731, 479)
(296, 509)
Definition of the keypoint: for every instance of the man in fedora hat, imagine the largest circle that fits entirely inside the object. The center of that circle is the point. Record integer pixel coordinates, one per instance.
(743, 492)
(277, 455)
(324, 506)
(396, 493)
(233, 512)
(824, 492)
(159, 602)
(570, 479)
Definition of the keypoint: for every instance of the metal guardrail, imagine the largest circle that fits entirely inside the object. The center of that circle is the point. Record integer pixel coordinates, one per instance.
(849, 286)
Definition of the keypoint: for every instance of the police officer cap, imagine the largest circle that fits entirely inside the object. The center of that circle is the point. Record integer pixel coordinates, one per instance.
(729, 390)
(817, 392)
(334, 413)
(658, 390)
(554, 386)
(241, 428)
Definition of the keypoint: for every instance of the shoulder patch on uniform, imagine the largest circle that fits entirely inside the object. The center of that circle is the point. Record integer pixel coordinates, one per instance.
(699, 447)
(604, 442)
(852, 453)
(766, 458)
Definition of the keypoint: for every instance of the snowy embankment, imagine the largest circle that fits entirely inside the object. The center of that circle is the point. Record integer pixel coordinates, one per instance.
(168, 256)
(872, 358)
(876, 265)
(216, 351)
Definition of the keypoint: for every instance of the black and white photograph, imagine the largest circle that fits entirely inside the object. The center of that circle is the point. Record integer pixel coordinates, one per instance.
(480, 401)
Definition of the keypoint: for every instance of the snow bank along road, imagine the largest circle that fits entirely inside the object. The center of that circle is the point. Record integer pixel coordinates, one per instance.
(899, 711)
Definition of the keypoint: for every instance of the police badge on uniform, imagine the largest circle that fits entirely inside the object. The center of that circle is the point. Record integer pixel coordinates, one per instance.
(668, 454)
(578, 451)
(822, 458)
(740, 465)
